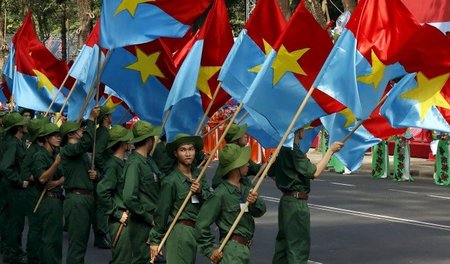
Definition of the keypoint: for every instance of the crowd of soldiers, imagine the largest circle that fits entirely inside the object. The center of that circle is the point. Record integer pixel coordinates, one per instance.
(130, 189)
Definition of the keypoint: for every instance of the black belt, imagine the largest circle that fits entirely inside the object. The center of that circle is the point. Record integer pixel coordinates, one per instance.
(81, 191)
(59, 196)
(298, 195)
(186, 222)
(241, 240)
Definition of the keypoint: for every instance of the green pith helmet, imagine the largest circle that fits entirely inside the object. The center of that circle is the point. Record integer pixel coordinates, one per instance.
(13, 119)
(183, 139)
(49, 129)
(104, 110)
(35, 127)
(143, 129)
(231, 157)
(69, 126)
(235, 132)
(119, 134)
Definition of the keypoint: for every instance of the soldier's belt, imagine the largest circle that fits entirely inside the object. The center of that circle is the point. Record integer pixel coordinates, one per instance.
(241, 240)
(59, 196)
(186, 222)
(298, 195)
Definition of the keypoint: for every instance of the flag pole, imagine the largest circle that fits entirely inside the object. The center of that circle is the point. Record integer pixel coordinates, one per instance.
(97, 97)
(166, 117)
(259, 172)
(242, 118)
(217, 126)
(67, 100)
(56, 95)
(200, 176)
(208, 109)
(362, 121)
(266, 169)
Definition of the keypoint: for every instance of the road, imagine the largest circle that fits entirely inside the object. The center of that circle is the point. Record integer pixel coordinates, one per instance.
(357, 219)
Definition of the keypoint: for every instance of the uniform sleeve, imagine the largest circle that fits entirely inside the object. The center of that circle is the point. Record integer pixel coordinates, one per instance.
(302, 164)
(7, 166)
(84, 145)
(162, 212)
(105, 191)
(131, 192)
(257, 209)
(206, 190)
(208, 214)
(27, 165)
(39, 166)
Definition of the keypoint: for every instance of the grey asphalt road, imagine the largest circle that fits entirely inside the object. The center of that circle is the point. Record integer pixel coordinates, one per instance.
(357, 219)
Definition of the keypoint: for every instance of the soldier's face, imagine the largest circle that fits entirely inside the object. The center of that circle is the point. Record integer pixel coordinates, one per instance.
(54, 140)
(185, 154)
(243, 141)
(244, 169)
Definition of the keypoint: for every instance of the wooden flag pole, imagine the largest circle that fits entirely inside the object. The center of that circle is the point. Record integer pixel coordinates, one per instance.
(166, 117)
(266, 169)
(362, 121)
(259, 173)
(97, 97)
(208, 109)
(39, 200)
(242, 118)
(200, 176)
(56, 95)
(67, 100)
(217, 126)
(119, 231)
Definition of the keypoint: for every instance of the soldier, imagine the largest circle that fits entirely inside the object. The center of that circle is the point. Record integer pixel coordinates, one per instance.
(224, 207)
(31, 194)
(293, 172)
(48, 175)
(237, 135)
(10, 168)
(3, 204)
(109, 192)
(181, 243)
(102, 154)
(164, 161)
(141, 190)
(79, 184)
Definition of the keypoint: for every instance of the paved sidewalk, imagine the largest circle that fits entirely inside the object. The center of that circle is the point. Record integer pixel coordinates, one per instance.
(419, 167)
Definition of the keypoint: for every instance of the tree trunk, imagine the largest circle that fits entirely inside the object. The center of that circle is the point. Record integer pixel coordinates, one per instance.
(285, 8)
(3, 47)
(63, 7)
(86, 17)
(349, 5)
(315, 7)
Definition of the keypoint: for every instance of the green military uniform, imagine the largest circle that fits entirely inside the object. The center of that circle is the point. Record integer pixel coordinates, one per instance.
(102, 154)
(109, 192)
(293, 172)
(141, 193)
(234, 134)
(163, 160)
(11, 170)
(402, 160)
(442, 162)
(224, 207)
(31, 194)
(3, 204)
(181, 244)
(380, 160)
(79, 202)
(50, 210)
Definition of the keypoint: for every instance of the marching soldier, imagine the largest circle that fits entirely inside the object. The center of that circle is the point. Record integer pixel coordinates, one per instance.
(181, 243)
(141, 190)
(237, 135)
(164, 161)
(109, 192)
(11, 168)
(224, 207)
(293, 171)
(49, 179)
(79, 203)
(102, 155)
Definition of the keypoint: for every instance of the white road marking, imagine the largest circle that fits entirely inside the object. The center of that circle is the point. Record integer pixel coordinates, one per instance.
(313, 262)
(403, 191)
(343, 184)
(368, 215)
(439, 197)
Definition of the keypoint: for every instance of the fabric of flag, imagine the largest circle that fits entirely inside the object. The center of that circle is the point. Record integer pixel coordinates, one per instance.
(141, 75)
(8, 68)
(249, 51)
(267, 139)
(130, 22)
(422, 99)
(196, 80)
(122, 113)
(308, 137)
(433, 12)
(288, 73)
(84, 69)
(39, 74)
(366, 55)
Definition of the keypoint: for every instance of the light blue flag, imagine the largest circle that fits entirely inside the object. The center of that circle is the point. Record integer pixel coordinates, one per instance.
(8, 68)
(354, 85)
(308, 138)
(338, 126)
(266, 137)
(413, 102)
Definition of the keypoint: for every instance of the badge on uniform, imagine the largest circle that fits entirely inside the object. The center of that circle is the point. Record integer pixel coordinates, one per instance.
(242, 206)
(194, 199)
(155, 177)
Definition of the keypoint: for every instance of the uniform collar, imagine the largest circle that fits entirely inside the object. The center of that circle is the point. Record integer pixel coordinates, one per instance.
(231, 188)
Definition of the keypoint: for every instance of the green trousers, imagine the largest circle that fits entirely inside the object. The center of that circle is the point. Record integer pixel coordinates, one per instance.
(50, 214)
(79, 215)
(235, 253)
(138, 235)
(293, 240)
(100, 226)
(15, 223)
(181, 246)
(4, 215)
(34, 241)
(121, 253)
